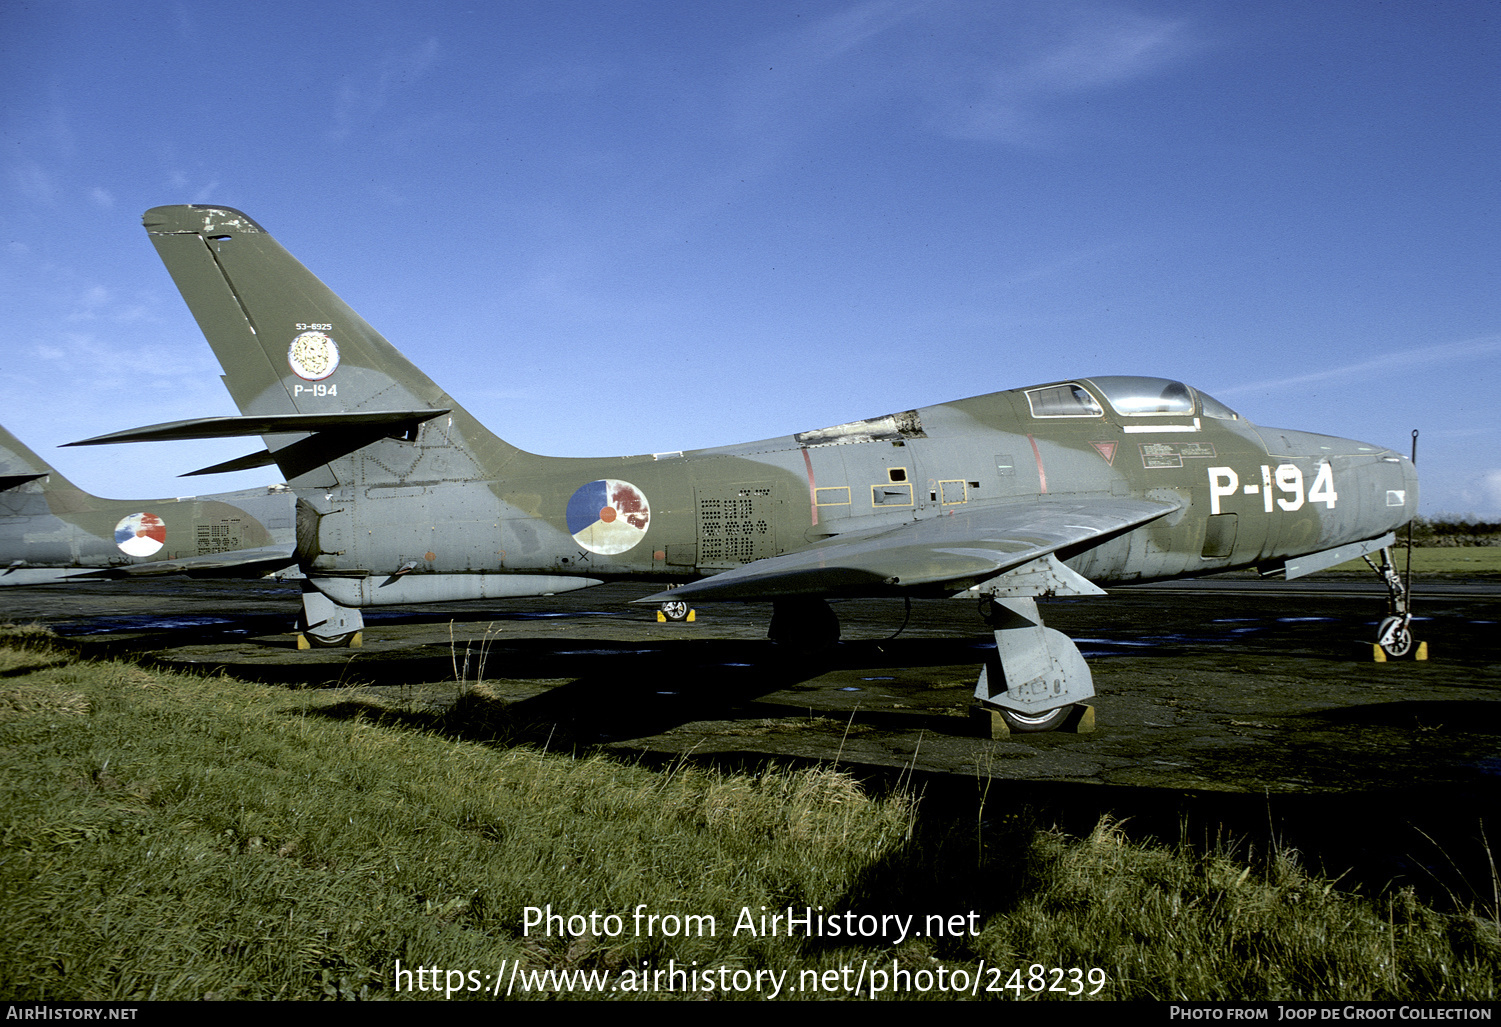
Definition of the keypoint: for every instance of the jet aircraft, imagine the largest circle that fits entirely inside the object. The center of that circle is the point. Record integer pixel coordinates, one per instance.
(51, 530)
(403, 497)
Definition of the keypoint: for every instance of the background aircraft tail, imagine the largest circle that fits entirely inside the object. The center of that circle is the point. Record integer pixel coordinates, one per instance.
(19, 466)
(336, 403)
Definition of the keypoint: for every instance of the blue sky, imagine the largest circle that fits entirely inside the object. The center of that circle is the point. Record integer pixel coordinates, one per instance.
(630, 227)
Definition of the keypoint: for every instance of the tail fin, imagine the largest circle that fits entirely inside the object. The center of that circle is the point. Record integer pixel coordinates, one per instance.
(19, 465)
(289, 346)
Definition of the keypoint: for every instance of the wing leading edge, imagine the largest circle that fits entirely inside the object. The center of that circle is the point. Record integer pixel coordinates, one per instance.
(952, 551)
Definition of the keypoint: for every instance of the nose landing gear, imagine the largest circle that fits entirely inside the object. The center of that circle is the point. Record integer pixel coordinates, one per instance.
(1394, 636)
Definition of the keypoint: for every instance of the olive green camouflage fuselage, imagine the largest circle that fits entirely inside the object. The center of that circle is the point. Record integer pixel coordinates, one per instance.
(51, 530)
(402, 496)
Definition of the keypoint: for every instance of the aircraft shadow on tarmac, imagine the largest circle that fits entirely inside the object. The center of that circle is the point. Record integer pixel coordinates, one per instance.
(1358, 807)
(602, 690)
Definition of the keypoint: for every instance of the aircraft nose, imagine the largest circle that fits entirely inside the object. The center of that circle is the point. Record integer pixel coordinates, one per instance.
(1376, 488)
(1410, 485)
(1388, 486)
(1393, 489)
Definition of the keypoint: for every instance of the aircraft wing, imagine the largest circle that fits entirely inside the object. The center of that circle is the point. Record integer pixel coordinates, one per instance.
(952, 550)
(235, 563)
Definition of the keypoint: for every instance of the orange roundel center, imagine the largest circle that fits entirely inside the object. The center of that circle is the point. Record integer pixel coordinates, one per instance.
(607, 514)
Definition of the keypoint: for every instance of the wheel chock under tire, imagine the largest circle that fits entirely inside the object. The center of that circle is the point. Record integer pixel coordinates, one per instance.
(1378, 654)
(989, 722)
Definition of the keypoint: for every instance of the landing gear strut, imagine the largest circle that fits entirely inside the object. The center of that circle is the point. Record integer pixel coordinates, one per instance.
(1395, 633)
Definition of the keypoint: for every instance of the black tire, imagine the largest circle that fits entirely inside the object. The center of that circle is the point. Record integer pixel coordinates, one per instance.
(1028, 723)
(329, 641)
(1401, 639)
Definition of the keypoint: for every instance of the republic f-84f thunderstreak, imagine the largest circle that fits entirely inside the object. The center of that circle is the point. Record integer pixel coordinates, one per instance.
(53, 531)
(403, 497)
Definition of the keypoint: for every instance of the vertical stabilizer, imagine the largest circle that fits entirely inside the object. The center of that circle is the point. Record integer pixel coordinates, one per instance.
(20, 468)
(289, 345)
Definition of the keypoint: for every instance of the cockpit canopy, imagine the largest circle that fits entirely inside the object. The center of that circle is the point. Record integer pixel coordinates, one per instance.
(1128, 396)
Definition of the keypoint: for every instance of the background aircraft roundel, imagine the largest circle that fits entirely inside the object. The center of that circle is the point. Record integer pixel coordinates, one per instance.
(608, 516)
(140, 534)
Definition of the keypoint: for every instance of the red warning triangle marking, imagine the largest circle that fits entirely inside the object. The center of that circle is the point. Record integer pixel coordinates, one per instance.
(1106, 450)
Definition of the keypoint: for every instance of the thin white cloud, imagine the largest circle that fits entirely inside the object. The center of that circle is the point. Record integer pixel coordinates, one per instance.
(1005, 86)
(1490, 488)
(1442, 352)
(833, 37)
(359, 99)
(1478, 495)
(1057, 265)
(33, 182)
(988, 73)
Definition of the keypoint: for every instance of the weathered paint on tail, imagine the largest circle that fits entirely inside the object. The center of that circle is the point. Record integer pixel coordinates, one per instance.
(289, 345)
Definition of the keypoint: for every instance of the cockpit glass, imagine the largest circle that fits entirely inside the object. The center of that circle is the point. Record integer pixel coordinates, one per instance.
(1214, 408)
(1137, 397)
(1068, 400)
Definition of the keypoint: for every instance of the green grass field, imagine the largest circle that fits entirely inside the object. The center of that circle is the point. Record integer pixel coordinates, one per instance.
(168, 836)
(1451, 560)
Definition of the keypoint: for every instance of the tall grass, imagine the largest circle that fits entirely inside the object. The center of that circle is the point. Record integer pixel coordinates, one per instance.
(165, 836)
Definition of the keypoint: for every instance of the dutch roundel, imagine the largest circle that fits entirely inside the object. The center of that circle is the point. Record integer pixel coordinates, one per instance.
(141, 534)
(608, 516)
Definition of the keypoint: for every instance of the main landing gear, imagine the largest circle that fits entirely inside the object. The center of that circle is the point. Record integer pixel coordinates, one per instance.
(1037, 676)
(324, 624)
(1394, 636)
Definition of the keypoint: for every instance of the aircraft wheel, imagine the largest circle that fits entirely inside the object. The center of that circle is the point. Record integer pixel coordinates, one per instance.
(330, 641)
(1023, 723)
(1394, 637)
(675, 609)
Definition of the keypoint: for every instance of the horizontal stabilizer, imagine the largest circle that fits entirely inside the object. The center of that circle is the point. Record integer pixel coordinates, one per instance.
(949, 551)
(265, 458)
(10, 481)
(266, 424)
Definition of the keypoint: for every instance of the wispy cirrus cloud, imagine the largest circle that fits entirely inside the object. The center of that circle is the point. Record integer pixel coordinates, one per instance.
(1002, 92)
(360, 98)
(1447, 352)
(34, 182)
(988, 73)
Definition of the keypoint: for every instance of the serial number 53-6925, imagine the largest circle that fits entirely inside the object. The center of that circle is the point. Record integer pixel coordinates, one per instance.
(314, 327)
